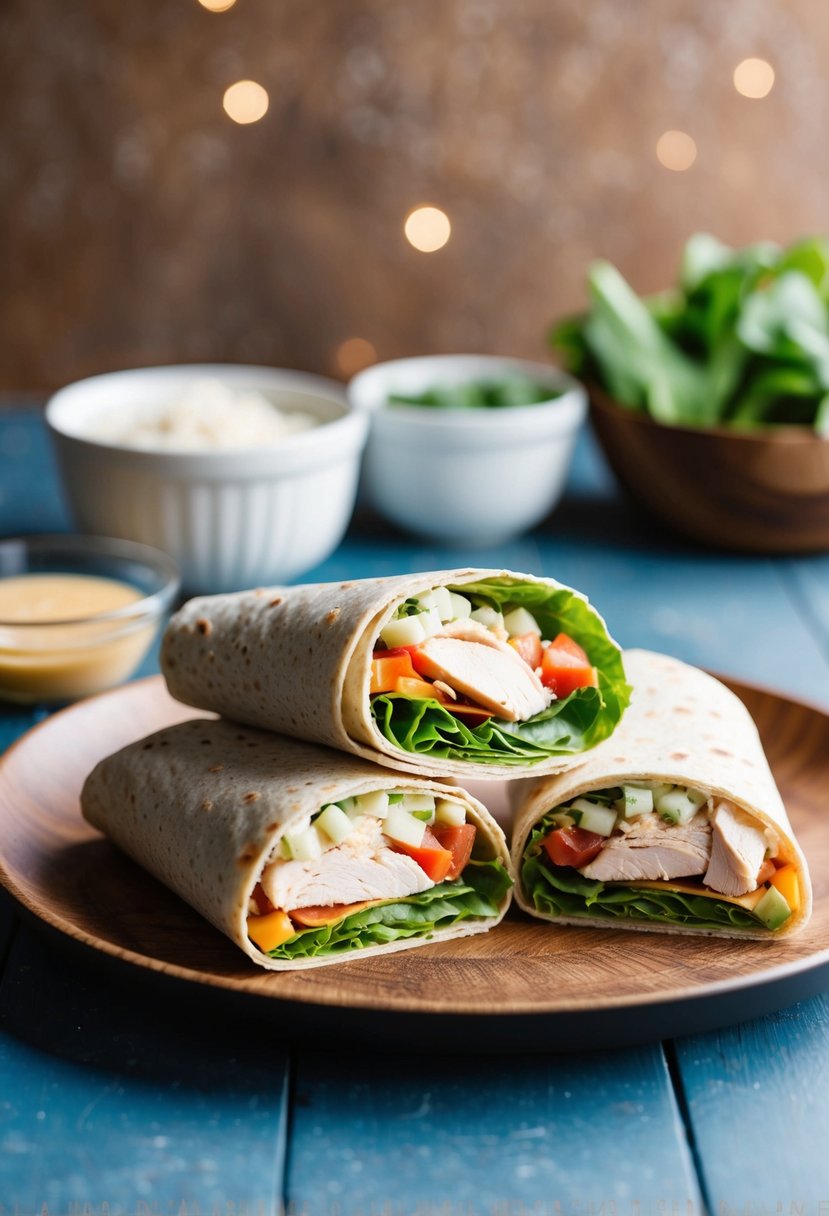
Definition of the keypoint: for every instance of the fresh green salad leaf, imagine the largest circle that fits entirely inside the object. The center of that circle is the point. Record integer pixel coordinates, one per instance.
(479, 395)
(566, 728)
(477, 893)
(561, 891)
(742, 341)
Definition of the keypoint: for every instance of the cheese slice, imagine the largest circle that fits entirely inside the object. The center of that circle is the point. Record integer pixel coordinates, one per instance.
(318, 916)
(749, 901)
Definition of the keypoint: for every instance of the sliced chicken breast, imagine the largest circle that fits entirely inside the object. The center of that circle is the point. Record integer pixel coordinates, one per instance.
(476, 664)
(363, 867)
(653, 849)
(738, 849)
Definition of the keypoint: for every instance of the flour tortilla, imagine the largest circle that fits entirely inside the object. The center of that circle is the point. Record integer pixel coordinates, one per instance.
(297, 660)
(202, 806)
(686, 728)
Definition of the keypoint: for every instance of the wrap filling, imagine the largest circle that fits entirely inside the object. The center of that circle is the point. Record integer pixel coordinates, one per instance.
(371, 869)
(665, 853)
(499, 671)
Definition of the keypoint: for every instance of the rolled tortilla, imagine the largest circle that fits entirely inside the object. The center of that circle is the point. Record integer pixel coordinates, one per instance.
(298, 660)
(205, 805)
(683, 728)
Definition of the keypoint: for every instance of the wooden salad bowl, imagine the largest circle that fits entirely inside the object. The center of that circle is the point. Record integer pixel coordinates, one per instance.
(763, 492)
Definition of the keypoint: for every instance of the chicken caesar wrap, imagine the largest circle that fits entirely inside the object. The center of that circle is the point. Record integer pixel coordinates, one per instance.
(457, 673)
(302, 856)
(675, 824)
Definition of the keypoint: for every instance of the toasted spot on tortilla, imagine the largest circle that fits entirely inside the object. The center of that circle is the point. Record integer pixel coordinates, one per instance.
(207, 805)
(679, 755)
(251, 796)
(275, 602)
(244, 858)
(216, 768)
(148, 747)
(681, 709)
(720, 751)
(204, 627)
(332, 616)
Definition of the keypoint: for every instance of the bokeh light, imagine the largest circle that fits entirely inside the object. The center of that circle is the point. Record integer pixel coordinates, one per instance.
(217, 6)
(754, 78)
(245, 101)
(427, 228)
(353, 355)
(676, 150)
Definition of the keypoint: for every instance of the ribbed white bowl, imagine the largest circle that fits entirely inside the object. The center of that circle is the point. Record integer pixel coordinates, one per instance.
(231, 519)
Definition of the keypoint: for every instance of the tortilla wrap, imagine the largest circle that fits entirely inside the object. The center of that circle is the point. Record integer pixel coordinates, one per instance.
(297, 660)
(204, 804)
(683, 728)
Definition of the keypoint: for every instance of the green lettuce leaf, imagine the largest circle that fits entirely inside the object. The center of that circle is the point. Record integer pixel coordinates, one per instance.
(561, 891)
(476, 894)
(568, 727)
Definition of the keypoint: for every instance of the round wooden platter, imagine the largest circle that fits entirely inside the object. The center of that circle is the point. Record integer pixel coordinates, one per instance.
(579, 987)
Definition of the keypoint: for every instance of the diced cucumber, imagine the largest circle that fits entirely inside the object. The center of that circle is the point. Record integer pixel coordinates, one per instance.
(430, 622)
(375, 803)
(400, 825)
(773, 909)
(460, 606)
(488, 617)
(594, 818)
(452, 813)
(408, 631)
(440, 599)
(394, 799)
(305, 846)
(349, 805)
(519, 621)
(427, 817)
(418, 802)
(679, 806)
(659, 790)
(335, 823)
(636, 800)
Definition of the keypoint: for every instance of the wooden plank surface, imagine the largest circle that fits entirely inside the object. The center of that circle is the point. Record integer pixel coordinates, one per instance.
(492, 1135)
(758, 1099)
(114, 1094)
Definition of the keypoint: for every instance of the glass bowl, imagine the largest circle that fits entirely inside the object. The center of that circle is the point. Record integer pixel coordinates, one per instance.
(51, 653)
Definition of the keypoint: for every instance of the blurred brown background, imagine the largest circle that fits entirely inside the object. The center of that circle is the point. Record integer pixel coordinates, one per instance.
(142, 225)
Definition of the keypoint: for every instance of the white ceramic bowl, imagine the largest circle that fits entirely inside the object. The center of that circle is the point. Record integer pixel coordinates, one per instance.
(232, 518)
(467, 476)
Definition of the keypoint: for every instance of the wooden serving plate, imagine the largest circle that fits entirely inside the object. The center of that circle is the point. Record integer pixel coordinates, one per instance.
(575, 987)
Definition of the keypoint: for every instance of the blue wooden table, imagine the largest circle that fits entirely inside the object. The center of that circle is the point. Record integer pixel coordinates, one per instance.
(117, 1099)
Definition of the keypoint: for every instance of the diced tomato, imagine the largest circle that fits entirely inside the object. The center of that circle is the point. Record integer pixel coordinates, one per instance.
(565, 667)
(430, 855)
(315, 917)
(563, 641)
(261, 900)
(388, 666)
(459, 840)
(572, 846)
(528, 646)
(767, 870)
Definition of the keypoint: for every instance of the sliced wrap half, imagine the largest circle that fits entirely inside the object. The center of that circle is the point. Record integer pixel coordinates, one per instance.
(457, 698)
(244, 825)
(674, 824)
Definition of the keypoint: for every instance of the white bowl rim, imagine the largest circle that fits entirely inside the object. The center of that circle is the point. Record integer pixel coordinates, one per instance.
(350, 425)
(570, 405)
